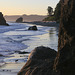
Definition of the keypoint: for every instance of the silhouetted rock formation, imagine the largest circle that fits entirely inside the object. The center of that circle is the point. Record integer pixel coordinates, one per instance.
(19, 19)
(2, 20)
(65, 60)
(1, 55)
(40, 62)
(33, 28)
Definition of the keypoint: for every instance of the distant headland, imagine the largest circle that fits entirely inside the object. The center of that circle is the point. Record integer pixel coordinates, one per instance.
(26, 18)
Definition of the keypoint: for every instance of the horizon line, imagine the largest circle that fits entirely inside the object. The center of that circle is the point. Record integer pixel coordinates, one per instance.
(25, 14)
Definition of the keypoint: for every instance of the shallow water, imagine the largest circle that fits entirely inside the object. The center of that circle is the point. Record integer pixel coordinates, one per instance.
(16, 37)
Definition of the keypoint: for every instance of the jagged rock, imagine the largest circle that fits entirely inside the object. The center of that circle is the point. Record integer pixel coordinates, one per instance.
(33, 28)
(19, 19)
(65, 60)
(2, 20)
(40, 62)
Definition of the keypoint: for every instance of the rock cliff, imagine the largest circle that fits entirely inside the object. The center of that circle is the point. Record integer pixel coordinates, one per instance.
(2, 20)
(65, 60)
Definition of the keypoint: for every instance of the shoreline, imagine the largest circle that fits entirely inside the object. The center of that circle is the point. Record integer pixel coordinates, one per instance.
(41, 23)
(50, 24)
(18, 58)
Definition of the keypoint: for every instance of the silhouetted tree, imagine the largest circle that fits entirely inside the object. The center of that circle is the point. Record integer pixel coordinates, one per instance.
(50, 11)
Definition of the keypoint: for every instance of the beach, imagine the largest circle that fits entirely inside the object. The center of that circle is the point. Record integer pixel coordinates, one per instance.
(17, 38)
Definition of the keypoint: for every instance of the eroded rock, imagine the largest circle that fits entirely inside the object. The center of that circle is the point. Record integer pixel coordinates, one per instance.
(2, 20)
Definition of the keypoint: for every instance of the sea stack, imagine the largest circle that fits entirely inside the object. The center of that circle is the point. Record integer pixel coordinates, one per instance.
(2, 20)
(19, 20)
(65, 60)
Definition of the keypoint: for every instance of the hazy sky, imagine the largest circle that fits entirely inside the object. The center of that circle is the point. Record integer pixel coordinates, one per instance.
(19, 7)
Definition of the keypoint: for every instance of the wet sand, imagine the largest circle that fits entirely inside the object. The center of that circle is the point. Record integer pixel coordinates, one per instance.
(11, 68)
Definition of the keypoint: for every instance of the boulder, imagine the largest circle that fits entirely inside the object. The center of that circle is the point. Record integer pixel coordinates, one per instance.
(2, 20)
(40, 62)
(19, 19)
(1, 55)
(65, 60)
(33, 28)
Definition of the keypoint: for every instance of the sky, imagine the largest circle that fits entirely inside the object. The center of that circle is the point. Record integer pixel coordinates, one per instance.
(19, 7)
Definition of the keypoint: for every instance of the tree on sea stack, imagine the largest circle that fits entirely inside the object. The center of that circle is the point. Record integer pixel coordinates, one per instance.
(50, 10)
(2, 20)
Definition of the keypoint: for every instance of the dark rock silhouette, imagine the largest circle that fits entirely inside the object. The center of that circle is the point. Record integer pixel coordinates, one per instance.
(1, 55)
(21, 52)
(19, 19)
(65, 60)
(2, 20)
(40, 62)
(33, 28)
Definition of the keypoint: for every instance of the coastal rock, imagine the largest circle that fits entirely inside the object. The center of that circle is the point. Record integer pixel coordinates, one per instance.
(21, 52)
(65, 60)
(33, 28)
(1, 55)
(2, 20)
(40, 62)
(19, 19)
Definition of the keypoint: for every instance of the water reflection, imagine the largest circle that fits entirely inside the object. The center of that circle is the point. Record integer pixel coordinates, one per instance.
(53, 38)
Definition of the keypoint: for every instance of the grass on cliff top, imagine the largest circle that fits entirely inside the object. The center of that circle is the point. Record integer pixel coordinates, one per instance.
(49, 18)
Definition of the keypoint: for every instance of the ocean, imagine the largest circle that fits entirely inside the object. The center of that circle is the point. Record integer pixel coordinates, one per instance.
(17, 37)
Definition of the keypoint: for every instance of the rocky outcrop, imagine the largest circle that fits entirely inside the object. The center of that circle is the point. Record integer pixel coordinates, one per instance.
(19, 19)
(33, 28)
(65, 60)
(1, 55)
(2, 20)
(40, 62)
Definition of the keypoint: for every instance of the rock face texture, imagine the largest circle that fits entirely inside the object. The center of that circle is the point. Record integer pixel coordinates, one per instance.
(33, 28)
(40, 62)
(2, 20)
(65, 60)
(19, 19)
